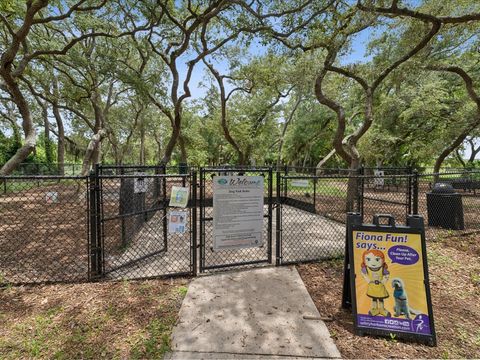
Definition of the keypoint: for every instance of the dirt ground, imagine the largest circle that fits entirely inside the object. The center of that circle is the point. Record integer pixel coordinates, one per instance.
(43, 240)
(89, 321)
(454, 265)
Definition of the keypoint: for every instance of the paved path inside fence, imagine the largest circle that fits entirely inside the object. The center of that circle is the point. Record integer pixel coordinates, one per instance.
(261, 313)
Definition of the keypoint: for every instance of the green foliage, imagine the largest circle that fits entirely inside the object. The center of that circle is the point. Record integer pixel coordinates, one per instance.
(8, 147)
(131, 85)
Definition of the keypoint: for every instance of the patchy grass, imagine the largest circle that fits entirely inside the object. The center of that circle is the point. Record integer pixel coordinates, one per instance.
(90, 321)
(454, 265)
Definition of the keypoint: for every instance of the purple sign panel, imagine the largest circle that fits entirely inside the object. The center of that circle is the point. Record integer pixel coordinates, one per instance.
(419, 325)
(402, 254)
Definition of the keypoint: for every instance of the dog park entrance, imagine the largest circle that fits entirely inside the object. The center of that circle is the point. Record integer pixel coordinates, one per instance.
(122, 222)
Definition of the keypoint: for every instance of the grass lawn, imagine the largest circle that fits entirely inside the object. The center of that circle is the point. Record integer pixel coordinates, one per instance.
(454, 264)
(89, 321)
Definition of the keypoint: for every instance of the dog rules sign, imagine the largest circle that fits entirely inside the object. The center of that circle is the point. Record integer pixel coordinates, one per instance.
(389, 281)
(237, 212)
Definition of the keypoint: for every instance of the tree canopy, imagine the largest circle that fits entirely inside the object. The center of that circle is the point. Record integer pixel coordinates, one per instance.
(302, 82)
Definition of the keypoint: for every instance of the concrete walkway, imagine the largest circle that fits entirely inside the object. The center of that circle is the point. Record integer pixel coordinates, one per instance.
(262, 313)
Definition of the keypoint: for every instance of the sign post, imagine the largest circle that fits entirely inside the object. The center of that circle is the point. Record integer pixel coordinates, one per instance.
(386, 278)
(237, 212)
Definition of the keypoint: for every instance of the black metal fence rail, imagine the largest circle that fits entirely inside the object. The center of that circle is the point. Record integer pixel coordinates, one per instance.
(46, 169)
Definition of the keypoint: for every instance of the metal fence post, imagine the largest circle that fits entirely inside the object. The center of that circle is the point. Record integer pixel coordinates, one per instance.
(202, 220)
(415, 192)
(360, 189)
(193, 178)
(95, 234)
(164, 219)
(270, 212)
(409, 192)
(278, 223)
(285, 193)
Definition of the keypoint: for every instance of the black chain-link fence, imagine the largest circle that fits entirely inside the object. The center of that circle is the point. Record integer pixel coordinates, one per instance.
(116, 223)
(43, 229)
(450, 203)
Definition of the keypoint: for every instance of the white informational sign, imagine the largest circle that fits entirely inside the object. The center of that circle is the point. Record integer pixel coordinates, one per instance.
(179, 196)
(379, 179)
(237, 212)
(302, 183)
(51, 197)
(140, 183)
(177, 222)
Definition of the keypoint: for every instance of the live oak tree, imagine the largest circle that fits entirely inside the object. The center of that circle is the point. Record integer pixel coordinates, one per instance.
(19, 22)
(113, 81)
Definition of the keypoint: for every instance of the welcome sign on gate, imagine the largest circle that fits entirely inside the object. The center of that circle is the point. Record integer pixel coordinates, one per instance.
(237, 212)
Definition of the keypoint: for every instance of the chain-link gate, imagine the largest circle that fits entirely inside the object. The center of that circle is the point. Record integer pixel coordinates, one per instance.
(310, 217)
(130, 235)
(211, 259)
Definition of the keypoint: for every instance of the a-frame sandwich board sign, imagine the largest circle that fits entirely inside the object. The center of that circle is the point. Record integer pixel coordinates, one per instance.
(386, 278)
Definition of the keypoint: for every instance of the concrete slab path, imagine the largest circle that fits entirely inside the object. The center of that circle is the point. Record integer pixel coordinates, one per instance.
(261, 313)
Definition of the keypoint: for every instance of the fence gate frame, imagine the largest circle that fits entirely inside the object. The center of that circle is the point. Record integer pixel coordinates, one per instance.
(205, 201)
(96, 225)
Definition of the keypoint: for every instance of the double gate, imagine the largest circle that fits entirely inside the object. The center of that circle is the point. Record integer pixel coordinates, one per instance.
(130, 233)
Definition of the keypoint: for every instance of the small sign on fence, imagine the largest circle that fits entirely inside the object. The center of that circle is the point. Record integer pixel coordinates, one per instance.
(386, 278)
(301, 183)
(177, 222)
(237, 212)
(379, 179)
(140, 183)
(51, 197)
(179, 196)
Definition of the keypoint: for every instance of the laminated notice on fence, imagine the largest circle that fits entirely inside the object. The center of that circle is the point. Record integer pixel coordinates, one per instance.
(51, 197)
(303, 183)
(179, 196)
(177, 222)
(237, 212)
(379, 179)
(140, 183)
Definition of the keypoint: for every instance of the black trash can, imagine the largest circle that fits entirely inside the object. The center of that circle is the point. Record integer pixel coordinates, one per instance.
(445, 208)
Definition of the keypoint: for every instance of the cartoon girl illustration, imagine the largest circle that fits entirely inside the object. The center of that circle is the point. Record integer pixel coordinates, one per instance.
(375, 272)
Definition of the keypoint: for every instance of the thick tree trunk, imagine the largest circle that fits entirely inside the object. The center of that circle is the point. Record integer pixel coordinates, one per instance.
(223, 121)
(353, 186)
(46, 132)
(450, 148)
(142, 144)
(323, 161)
(183, 150)
(171, 144)
(474, 151)
(284, 131)
(61, 140)
(27, 124)
(92, 155)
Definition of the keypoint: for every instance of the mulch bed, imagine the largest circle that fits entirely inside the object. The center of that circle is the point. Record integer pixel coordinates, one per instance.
(454, 266)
